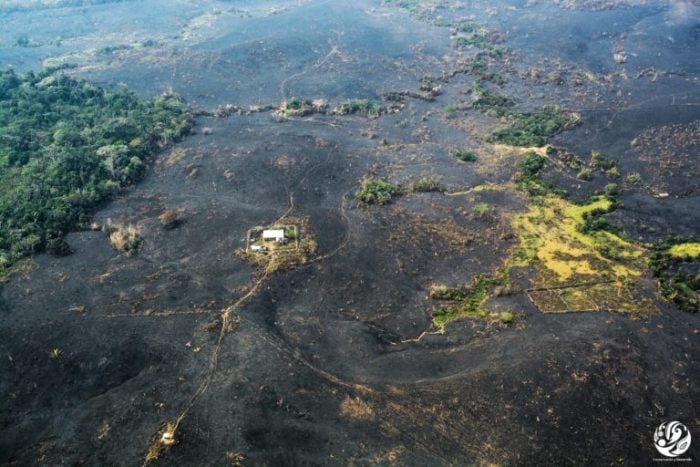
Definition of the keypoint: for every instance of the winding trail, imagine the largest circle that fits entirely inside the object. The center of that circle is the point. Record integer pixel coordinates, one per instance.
(168, 432)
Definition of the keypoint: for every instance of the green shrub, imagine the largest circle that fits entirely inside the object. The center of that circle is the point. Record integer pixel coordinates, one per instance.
(466, 155)
(426, 184)
(377, 191)
(294, 103)
(471, 307)
(526, 128)
(534, 128)
(442, 292)
(678, 285)
(489, 102)
(531, 166)
(492, 77)
(506, 317)
(600, 161)
(529, 170)
(584, 174)
(613, 173)
(611, 190)
(633, 178)
(352, 106)
(481, 208)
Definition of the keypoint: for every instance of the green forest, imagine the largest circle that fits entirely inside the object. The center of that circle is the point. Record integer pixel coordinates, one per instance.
(66, 146)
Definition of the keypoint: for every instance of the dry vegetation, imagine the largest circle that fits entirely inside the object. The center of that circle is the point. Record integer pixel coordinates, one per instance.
(356, 408)
(287, 257)
(164, 439)
(578, 270)
(170, 219)
(125, 238)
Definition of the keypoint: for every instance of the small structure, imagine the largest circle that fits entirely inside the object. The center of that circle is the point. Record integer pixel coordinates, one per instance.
(275, 238)
(277, 235)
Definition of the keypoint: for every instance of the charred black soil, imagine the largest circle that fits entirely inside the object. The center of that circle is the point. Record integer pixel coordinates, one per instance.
(187, 354)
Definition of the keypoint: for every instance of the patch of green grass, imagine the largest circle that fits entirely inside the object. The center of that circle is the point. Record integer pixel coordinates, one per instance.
(481, 208)
(450, 109)
(472, 307)
(506, 317)
(373, 191)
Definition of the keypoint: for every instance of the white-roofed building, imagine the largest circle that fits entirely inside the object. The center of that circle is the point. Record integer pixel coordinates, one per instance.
(274, 234)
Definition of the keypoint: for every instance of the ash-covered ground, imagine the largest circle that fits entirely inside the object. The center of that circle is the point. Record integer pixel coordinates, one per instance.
(337, 361)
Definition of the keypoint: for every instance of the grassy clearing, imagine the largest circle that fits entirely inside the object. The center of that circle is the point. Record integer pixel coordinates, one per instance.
(553, 238)
(580, 263)
(300, 249)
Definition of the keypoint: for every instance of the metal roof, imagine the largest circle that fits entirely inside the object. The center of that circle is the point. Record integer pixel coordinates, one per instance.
(273, 234)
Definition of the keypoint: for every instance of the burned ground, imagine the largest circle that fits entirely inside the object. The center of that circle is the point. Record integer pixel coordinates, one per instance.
(338, 361)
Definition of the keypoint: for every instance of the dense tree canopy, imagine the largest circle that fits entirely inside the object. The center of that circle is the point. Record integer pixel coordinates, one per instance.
(65, 146)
